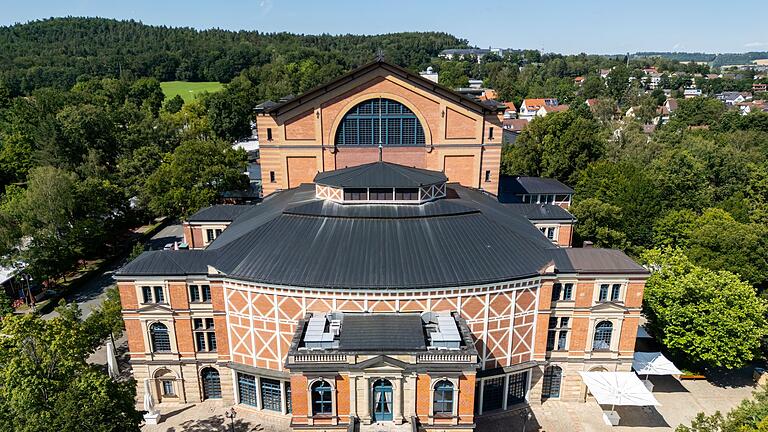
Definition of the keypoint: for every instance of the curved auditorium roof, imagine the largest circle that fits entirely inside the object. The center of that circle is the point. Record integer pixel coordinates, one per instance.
(380, 174)
(294, 239)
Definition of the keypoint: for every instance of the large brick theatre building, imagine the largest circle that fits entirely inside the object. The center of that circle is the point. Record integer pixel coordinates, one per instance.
(381, 280)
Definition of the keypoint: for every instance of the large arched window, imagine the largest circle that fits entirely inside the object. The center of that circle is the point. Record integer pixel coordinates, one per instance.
(602, 339)
(443, 399)
(158, 333)
(380, 121)
(322, 403)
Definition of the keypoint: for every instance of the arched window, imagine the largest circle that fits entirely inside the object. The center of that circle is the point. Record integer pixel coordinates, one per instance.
(158, 333)
(211, 383)
(443, 399)
(322, 403)
(553, 376)
(380, 121)
(603, 332)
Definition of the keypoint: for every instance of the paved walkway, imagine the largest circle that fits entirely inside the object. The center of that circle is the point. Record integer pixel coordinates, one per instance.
(209, 417)
(680, 402)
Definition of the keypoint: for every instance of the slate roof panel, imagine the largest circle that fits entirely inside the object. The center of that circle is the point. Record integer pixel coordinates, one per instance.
(219, 213)
(382, 332)
(380, 174)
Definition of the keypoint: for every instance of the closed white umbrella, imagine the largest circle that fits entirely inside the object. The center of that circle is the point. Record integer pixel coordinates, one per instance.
(653, 363)
(149, 403)
(112, 368)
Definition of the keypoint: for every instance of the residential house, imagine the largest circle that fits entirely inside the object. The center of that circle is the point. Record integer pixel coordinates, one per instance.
(510, 112)
(731, 98)
(759, 87)
(691, 93)
(579, 80)
(430, 74)
(530, 107)
(544, 110)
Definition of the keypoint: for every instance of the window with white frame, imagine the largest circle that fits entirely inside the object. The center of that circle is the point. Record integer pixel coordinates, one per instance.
(442, 399)
(610, 292)
(557, 336)
(168, 390)
(205, 335)
(152, 294)
(200, 293)
(602, 338)
(212, 233)
(562, 291)
(159, 337)
(550, 231)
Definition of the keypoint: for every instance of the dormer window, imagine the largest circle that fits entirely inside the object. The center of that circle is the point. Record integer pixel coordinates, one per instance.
(355, 194)
(381, 194)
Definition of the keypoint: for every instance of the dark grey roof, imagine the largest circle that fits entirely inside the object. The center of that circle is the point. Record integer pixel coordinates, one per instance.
(532, 185)
(380, 174)
(541, 212)
(294, 239)
(219, 213)
(598, 260)
(382, 332)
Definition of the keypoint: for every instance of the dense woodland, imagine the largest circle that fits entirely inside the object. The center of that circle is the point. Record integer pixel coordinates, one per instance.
(89, 147)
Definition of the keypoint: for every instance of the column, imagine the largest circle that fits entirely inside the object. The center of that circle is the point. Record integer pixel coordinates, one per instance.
(352, 396)
(506, 391)
(283, 398)
(480, 404)
(259, 402)
(397, 400)
(366, 417)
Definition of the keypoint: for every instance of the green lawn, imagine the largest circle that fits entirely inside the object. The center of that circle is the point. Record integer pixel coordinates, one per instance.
(188, 90)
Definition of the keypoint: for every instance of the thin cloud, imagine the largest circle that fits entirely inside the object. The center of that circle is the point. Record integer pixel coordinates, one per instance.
(755, 44)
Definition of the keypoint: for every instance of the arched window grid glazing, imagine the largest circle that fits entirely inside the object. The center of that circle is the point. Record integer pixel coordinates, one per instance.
(380, 121)
(322, 402)
(443, 399)
(161, 340)
(602, 339)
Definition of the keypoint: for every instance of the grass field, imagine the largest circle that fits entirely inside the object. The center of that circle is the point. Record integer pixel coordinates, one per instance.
(188, 90)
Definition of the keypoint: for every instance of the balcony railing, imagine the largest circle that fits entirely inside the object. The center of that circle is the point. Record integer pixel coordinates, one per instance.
(320, 358)
(444, 358)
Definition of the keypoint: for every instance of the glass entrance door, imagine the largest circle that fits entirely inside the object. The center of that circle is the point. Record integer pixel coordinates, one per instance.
(382, 400)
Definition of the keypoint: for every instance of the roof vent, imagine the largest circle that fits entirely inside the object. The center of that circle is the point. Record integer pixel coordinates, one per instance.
(447, 334)
(321, 334)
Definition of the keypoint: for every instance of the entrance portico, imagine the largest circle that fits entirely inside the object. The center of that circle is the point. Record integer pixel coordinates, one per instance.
(386, 368)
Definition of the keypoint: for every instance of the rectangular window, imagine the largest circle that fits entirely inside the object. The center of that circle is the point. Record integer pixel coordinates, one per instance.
(568, 291)
(197, 323)
(527, 199)
(200, 341)
(615, 292)
(562, 198)
(246, 388)
(272, 177)
(557, 335)
(206, 293)
(269, 134)
(159, 295)
(407, 194)
(209, 235)
(211, 341)
(209, 323)
(551, 340)
(380, 194)
(270, 395)
(603, 294)
(517, 389)
(487, 176)
(194, 294)
(146, 294)
(355, 194)
(562, 339)
(168, 388)
(490, 133)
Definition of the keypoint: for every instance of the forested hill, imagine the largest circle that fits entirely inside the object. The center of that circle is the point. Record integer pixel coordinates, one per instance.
(55, 52)
(716, 60)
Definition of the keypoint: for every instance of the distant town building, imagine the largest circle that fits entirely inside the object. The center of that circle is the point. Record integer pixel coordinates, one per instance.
(691, 93)
(759, 87)
(530, 107)
(464, 53)
(430, 74)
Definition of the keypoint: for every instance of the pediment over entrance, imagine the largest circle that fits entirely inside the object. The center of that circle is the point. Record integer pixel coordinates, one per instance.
(156, 308)
(609, 307)
(382, 363)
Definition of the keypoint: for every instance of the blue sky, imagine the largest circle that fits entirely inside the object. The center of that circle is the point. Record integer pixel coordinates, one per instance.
(591, 26)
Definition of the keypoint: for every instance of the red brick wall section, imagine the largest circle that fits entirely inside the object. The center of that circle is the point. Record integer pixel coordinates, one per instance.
(188, 238)
(128, 295)
(466, 398)
(301, 127)
(301, 170)
(461, 169)
(134, 331)
(178, 295)
(299, 398)
(342, 397)
(409, 156)
(634, 296)
(458, 125)
(422, 397)
(184, 340)
(565, 235)
(628, 335)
